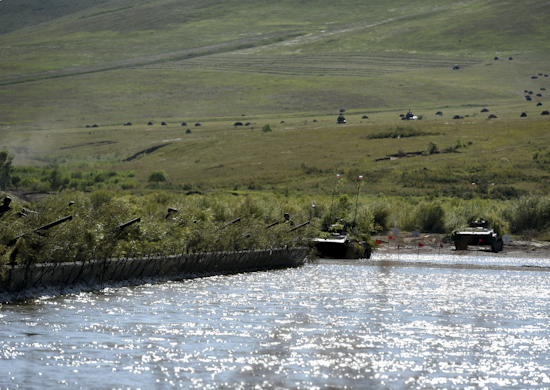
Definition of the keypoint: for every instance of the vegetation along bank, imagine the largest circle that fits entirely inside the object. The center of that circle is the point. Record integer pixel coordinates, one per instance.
(105, 224)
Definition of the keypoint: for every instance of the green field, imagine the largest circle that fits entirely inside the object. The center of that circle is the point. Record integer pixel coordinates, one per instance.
(261, 62)
(304, 155)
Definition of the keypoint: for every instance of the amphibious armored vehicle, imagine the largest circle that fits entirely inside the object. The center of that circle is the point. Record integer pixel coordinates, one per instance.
(339, 245)
(477, 234)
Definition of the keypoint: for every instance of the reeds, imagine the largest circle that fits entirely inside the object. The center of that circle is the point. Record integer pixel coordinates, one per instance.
(226, 222)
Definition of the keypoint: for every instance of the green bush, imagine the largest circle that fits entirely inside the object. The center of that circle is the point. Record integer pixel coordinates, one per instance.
(432, 148)
(34, 184)
(201, 222)
(55, 179)
(101, 197)
(530, 213)
(128, 184)
(381, 212)
(5, 168)
(430, 217)
(157, 176)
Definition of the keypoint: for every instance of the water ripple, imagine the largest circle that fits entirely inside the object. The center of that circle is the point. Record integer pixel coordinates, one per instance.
(316, 327)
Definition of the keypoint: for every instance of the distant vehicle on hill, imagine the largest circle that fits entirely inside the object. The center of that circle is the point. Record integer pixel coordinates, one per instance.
(409, 116)
(341, 119)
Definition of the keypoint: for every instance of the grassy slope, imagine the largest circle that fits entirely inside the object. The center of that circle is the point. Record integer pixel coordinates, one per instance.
(212, 61)
(304, 156)
(15, 15)
(353, 56)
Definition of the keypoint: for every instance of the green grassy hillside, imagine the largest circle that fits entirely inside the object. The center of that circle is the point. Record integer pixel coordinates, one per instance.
(264, 62)
(15, 15)
(120, 60)
(505, 157)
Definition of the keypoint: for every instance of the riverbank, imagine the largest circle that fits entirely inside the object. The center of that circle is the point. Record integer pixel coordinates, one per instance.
(436, 251)
(433, 243)
(24, 282)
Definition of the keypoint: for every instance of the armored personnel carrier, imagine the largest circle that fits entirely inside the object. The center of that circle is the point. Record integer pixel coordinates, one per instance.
(339, 245)
(477, 234)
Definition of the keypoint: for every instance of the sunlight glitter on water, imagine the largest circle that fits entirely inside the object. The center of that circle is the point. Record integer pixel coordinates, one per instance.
(317, 326)
(444, 258)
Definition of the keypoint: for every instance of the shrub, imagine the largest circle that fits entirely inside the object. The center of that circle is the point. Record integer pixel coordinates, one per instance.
(157, 176)
(404, 218)
(34, 184)
(529, 214)
(128, 184)
(449, 149)
(99, 198)
(430, 217)
(432, 148)
(381, 215)
(5, 168)
(56, 179)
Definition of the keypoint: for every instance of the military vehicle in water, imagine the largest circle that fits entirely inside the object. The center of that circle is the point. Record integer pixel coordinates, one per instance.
(477, 234)
(340, 245)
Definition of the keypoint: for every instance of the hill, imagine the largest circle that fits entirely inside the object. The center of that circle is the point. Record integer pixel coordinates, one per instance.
(95, 60)
(15, 15)
(73, 64)
(472, 157)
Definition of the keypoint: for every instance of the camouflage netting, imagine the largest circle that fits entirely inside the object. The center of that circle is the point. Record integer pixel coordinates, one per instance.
(20, 281)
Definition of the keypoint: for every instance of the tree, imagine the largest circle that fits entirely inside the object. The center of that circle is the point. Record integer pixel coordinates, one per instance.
(5, 168)
(55, 179)
(157, 177)
(267, 128)
(15, 180)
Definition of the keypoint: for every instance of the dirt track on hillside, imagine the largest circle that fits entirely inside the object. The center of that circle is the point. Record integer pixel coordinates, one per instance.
(141, 61)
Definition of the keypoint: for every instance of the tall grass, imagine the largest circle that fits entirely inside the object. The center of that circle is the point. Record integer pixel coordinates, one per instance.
(222, 222)
(52, 178)
(200, 223)
(430, 217)
(530, 214)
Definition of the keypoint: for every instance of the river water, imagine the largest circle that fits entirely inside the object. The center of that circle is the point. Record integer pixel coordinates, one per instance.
(322, 326)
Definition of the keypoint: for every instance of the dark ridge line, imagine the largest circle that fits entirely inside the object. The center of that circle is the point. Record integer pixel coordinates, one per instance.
(146, 151)
(331, 58)
(348, 74)
(99, 143)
